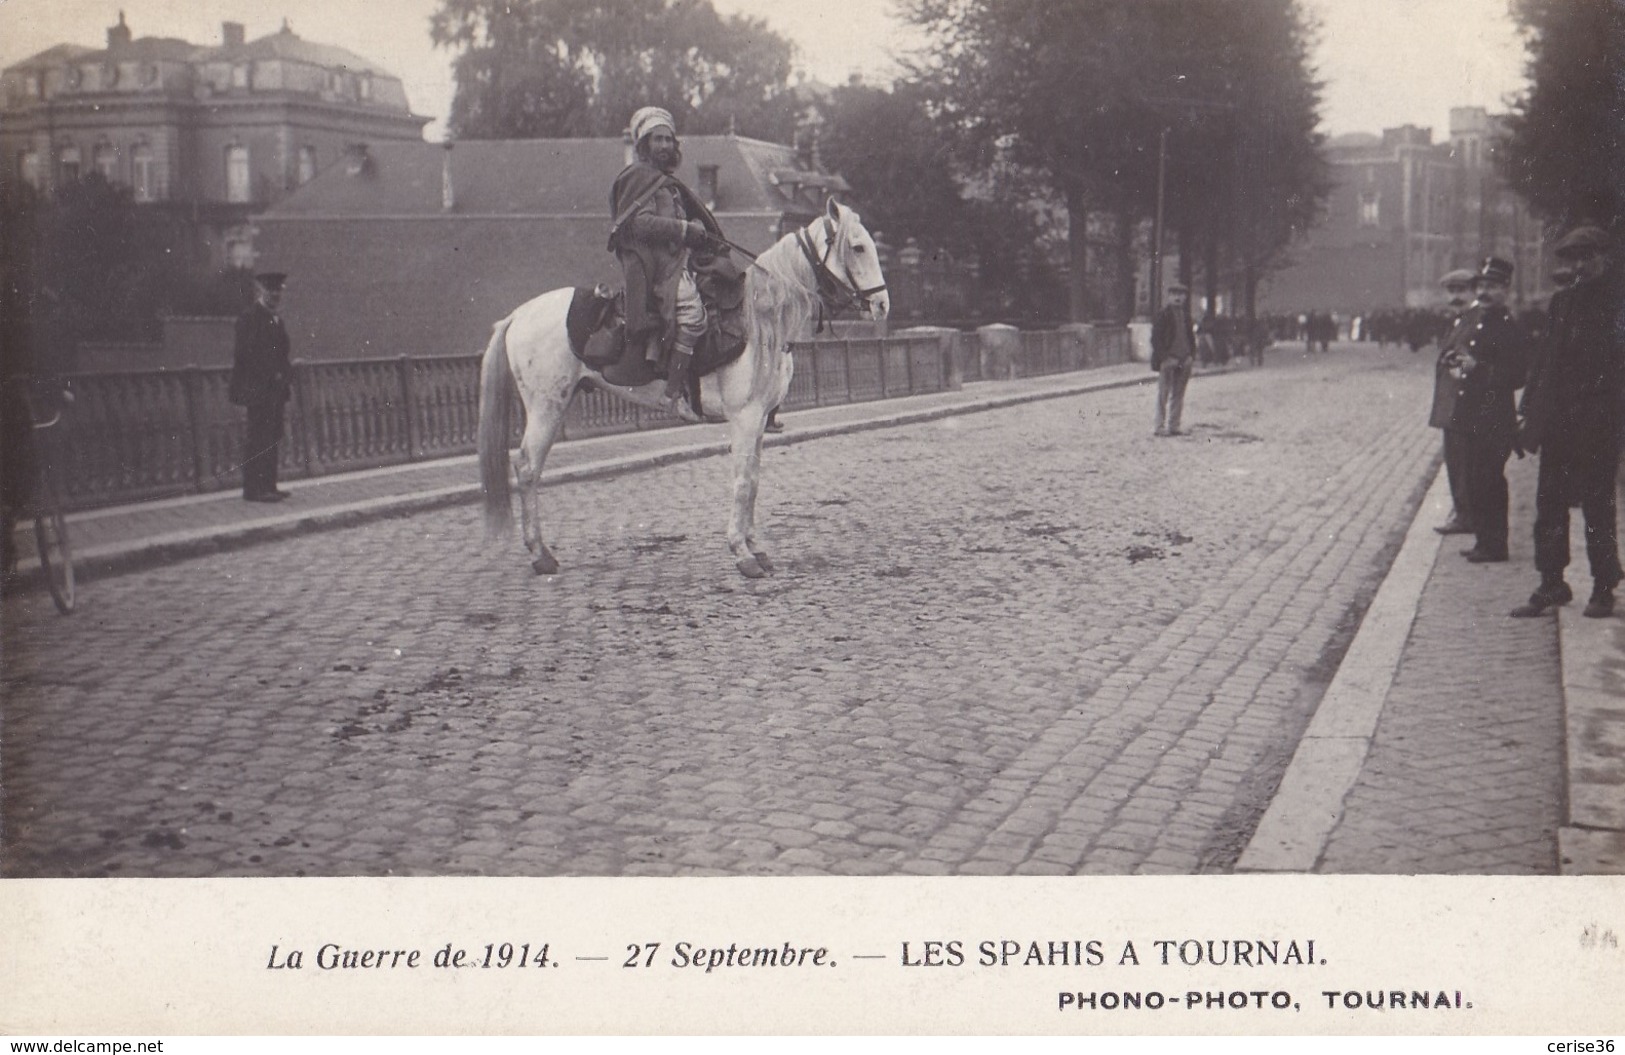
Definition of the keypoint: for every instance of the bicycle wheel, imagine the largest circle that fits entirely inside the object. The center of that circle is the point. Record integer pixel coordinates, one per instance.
(55, 551)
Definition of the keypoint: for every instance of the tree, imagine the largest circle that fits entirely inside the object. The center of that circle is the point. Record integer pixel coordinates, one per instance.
(1565, 151)
(551, 68)
(887, 146)
(1082, 93)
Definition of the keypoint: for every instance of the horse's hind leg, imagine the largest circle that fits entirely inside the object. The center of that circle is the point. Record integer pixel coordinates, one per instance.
(541, 429)
(745, 440)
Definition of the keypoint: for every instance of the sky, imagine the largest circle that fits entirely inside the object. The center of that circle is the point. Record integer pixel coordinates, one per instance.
(1385, 62)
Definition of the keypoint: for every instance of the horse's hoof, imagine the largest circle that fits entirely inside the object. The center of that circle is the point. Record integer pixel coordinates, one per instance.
(751, 568)
(545, 565)
(763, 562)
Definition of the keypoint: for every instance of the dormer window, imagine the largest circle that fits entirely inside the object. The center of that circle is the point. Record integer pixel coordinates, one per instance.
(364, 86)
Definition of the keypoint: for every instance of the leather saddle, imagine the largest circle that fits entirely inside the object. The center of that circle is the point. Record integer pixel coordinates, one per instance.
(596, 325)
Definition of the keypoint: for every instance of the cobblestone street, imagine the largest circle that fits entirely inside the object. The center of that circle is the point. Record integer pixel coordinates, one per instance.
(1031, 640)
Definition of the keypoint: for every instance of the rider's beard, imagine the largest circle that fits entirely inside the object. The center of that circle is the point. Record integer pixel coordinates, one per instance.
(667, 160)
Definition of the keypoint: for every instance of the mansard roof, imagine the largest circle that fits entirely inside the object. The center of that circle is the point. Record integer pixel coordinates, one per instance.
(287, 45)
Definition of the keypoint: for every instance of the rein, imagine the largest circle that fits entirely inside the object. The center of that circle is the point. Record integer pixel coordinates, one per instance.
(835, 294)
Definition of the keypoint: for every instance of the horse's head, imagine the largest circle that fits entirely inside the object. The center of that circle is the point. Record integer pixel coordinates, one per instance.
(846, 253)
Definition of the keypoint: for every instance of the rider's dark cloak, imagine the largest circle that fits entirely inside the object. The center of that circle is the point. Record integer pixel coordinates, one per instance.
(651, 269)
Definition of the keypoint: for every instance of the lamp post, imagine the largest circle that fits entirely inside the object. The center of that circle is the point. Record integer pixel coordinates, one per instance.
(1168, 102)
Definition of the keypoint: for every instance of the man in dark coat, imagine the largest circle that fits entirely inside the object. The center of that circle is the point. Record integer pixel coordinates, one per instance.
(1574, 412)
(261, 378)
(658, 222)
(1492, 359)
(1173, 350)
(1458, 285)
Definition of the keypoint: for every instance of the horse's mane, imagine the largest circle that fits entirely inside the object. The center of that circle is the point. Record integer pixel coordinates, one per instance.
(782, 304)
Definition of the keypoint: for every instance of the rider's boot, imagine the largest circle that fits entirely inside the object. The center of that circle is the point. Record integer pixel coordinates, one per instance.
(676, 398)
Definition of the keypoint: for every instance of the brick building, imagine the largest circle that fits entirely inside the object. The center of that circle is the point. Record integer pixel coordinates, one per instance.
(1403, 211)
(211, 132)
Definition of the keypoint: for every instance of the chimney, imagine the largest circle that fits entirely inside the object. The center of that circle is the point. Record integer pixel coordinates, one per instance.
(232, 34)
(118, 36)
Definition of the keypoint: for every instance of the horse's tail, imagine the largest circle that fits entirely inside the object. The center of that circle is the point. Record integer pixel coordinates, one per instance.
(496, 425)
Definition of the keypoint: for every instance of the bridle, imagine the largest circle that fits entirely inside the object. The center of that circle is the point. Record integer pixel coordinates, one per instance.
(835, 293)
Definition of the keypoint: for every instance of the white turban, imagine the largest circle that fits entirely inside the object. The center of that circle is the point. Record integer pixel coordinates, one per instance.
(648, 119)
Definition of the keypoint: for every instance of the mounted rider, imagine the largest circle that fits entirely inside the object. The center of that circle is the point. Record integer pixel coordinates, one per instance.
(661, 234)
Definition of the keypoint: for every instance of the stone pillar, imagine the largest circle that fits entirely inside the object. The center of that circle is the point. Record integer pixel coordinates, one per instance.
(999, 346)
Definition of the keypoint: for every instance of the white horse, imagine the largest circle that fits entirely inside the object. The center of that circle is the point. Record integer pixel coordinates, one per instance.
(833, 256)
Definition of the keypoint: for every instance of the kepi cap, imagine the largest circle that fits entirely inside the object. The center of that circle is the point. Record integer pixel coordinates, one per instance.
(272, 280)
(1495, 269)
(1582, 240)
(1459, 277)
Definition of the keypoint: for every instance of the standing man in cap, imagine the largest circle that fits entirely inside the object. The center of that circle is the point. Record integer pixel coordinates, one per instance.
(1458, 285)
(1574, 413)
(261, 378)
(1173, 348)
(658, 222)
(1491, 358)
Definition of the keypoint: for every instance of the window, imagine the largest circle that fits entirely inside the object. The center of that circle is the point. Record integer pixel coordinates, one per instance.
(364, 86)
(307, 163)
(1370, 215)
(239, 247)
(239, 75)
(69, 163)
(105, 159)
(237, 179)
(141, 168)
(28, 166)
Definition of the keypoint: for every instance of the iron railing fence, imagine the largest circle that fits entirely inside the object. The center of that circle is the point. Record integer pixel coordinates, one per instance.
(134, 435)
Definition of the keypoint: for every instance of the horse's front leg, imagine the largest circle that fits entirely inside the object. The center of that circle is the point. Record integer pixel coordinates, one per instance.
(541, 429)
(745, 440)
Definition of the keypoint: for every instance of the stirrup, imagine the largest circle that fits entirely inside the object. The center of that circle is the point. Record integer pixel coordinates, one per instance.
(677, 405)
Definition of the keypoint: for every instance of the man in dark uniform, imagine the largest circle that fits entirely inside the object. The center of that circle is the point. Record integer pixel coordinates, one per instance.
(1458, 285)
(1492, 360)
(658, 222)
(261, 378)
(1573, 415)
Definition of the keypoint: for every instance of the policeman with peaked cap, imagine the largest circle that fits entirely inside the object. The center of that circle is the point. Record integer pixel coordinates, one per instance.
(261, 378)
(1574, 413)
(1490, 357)
(1458, 285)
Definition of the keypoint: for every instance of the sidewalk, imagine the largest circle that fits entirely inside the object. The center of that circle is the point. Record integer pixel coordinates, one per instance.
(1453, 738)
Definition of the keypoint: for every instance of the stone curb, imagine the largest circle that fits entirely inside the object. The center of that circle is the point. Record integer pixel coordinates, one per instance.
(1294, 831)
(1592, 842)
(123, 558)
